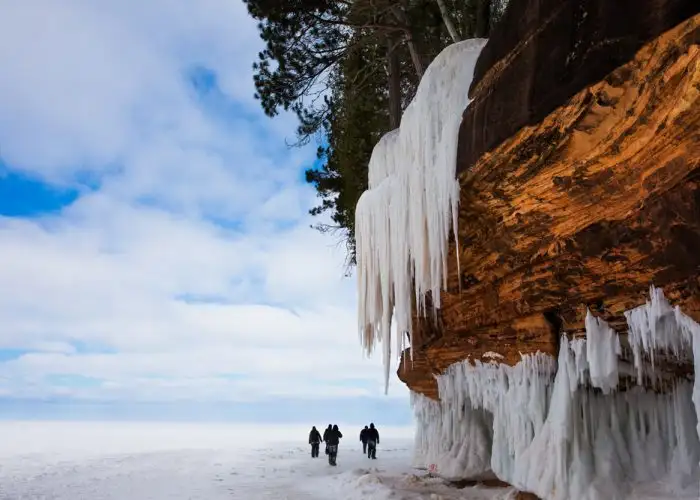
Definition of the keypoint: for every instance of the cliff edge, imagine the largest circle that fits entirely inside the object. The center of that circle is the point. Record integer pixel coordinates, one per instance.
(579, 182)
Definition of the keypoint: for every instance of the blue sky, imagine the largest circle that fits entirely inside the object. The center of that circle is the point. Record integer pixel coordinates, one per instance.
(157, 260)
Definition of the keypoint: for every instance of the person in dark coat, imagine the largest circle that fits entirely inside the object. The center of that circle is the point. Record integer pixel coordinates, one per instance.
(372, 441)
(315, 441)
(325, 436)
(332, 442)
(334, 435)
(363, 439)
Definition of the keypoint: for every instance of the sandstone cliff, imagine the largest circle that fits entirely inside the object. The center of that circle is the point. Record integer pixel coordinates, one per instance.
(580, 180)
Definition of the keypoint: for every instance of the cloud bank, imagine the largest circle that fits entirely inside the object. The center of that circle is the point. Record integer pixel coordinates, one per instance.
(154, 233)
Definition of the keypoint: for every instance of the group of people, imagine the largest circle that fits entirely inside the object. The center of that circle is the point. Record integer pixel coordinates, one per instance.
(331, 436)
(369, 437)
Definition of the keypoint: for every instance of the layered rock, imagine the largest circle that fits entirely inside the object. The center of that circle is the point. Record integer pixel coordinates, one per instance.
(545, 51)
(574, 206)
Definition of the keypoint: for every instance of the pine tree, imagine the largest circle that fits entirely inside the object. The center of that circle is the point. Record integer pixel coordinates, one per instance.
(348, 68)
(359, 117)
(305, 41)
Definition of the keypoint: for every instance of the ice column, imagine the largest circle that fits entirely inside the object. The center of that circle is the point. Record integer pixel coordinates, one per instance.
(657, 327)
(602, 349)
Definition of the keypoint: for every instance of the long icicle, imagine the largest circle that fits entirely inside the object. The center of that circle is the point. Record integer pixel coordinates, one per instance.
(403, 221)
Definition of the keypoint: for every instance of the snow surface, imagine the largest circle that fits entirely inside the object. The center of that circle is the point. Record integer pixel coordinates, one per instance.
(403, 221)
(126, 461)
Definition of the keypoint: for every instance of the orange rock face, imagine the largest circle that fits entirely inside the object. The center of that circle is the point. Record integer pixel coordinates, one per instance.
(585, 209)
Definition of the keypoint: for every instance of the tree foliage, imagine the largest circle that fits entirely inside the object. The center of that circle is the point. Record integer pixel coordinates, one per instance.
(359, 116)
(347, 69)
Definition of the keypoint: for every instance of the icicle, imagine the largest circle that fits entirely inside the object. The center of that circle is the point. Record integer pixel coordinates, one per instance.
(691, 330)
(602, 349)
(403, 221)
(543, 464)
(514, 400)
(578, 347)
(655, 327)
(563, 440)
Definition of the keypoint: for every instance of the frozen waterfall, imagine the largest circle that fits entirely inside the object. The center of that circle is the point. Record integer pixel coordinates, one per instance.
(403, 221)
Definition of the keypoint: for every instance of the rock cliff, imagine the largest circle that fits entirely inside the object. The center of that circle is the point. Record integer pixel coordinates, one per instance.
(579, 161)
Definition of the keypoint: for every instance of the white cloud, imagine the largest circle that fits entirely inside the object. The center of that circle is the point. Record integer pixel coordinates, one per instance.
(195, 201)
(120, 277)
(93, 81)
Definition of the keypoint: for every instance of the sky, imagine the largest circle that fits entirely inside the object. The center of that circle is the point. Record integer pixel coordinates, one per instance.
(156, 255)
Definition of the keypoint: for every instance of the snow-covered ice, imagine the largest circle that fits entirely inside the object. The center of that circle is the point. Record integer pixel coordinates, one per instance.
(135, 461)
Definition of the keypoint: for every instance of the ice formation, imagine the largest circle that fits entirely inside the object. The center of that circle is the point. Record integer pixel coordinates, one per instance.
(502, 405)
(602, 349)
(403, 221)
(544, 427)
(492, 355)
(658, 328)
(464, 443)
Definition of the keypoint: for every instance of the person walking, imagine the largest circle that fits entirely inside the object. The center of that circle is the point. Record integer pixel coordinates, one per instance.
(332, 442)
(363, 439)
(315, 441)
(325, 436)
(372, 441)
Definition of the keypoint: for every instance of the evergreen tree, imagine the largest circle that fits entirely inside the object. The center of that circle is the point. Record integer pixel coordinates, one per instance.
(305, 41)
(359, 117)
(348, 68)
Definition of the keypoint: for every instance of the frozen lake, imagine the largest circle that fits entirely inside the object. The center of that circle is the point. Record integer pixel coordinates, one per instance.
(159, 461)
(134, 461)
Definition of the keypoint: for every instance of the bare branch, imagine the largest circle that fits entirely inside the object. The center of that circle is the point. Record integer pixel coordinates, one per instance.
(448, 22)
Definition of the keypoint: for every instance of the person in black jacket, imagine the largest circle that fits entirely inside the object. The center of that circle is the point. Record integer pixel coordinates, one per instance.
(363, 439)
(332, 442)
(325, 436)
(372, 441)
(315, 441)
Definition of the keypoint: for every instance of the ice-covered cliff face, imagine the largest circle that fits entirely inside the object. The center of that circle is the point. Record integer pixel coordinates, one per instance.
(562, 227)
(584, 427)
(404, 219)
(584, 208)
